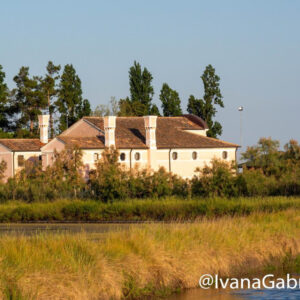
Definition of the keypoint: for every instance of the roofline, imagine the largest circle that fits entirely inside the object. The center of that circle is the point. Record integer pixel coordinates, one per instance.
(93, 125)
(196, 119)
(6, 147)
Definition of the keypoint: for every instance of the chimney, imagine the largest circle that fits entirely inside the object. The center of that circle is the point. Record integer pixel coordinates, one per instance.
(44, 125)
(109, 128)
(150, 126)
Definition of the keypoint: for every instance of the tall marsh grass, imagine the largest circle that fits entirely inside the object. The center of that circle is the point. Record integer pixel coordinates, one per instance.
(149, 259)
(166, 209)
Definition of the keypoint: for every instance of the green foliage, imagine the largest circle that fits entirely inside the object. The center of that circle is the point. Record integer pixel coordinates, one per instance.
(3, 166)
(50, 90)
(141, 93)
(218, 180)
(170, 101)
(4, 99)
(265, 156)
(110, 181)
(28, 100)
(112, 109)
(206, 107)
(70, 104)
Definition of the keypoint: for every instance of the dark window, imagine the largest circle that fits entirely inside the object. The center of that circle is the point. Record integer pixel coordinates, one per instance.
(96, 157)
(137, 156)
(174, 155)
(21, 160)
(224, 154)
(194, 155)
(122, 156)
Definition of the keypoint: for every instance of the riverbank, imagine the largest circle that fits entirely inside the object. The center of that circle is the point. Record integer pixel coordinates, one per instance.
(149, 259)
(166, 209)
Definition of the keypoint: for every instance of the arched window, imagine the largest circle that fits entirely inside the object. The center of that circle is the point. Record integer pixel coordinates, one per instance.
(224, 154)
(137, 156)
(122, 156)
(174, 155)
(194, 155)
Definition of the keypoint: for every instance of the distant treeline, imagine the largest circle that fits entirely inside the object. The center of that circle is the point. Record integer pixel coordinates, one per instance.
(267, 172)
(59, 94)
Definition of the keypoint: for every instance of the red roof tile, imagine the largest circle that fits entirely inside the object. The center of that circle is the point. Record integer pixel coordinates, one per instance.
(170, 132)
(22, 144)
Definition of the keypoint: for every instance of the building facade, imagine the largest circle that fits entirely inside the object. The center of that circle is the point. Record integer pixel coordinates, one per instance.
(179, 144)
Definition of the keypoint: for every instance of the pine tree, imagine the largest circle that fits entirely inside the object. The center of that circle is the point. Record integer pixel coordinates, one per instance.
(206, 107)
(170, 101)
(28, 100)
(50, 90)
(4, 99)
(70, 103)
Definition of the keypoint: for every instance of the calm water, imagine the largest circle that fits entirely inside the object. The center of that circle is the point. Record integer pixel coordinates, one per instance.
(31, 229)
(238, 295)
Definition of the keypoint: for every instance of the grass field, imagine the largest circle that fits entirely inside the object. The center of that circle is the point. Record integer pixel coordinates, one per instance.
(168, 209)
(149, 259)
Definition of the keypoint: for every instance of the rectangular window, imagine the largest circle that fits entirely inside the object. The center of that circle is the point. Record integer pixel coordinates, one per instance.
(96, 157)
(21, 160)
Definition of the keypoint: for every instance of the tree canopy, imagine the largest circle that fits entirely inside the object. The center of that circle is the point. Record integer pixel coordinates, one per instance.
(70, 104)
(141, 93)
(170, 101)
(206, 107)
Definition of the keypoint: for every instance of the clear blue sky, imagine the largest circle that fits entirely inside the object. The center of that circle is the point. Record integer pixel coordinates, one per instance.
(254, 46)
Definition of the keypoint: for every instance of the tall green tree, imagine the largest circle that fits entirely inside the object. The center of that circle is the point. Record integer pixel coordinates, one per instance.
(141, 93)
(170, 101)
(206, 107)
(28, 100)
(50, 90)
(70, 104)
(4, 100)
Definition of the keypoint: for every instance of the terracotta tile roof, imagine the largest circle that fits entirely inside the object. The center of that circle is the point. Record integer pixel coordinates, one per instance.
(170, 133)
(96, 142)
(22, 144)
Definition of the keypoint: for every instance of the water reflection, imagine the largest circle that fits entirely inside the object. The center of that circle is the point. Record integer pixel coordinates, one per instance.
(31, 229)
(274, 294)
(198, 294)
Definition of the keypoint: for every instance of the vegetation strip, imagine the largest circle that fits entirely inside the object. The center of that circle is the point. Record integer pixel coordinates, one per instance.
(150, 259)
(167, 209)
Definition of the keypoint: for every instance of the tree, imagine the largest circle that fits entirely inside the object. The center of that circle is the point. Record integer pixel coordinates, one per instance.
(206, 107)
(70, 103)
(111, 109)
(4, 98)
(170, 101)
(265, 156)
(141, 93)
(154, 110)
(28, 99)
(50, 89)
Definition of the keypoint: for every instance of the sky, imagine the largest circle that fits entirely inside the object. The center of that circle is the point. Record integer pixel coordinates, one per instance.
(254, 46)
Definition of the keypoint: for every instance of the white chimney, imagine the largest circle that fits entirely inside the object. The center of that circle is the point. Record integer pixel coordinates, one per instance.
(109, 128)
(44, 125)
(150, 126)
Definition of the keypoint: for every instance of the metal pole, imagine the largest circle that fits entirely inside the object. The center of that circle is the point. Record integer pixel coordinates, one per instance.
(241, 125)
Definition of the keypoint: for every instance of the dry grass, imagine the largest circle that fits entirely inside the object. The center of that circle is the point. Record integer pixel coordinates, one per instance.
(145, 260)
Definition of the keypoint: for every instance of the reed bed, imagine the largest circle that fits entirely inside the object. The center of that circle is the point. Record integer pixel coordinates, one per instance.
(163, 209)
(149, 259)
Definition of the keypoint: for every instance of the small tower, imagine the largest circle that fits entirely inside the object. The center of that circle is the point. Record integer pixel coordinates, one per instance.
(44, 125)
(150, 127)
(110, 128)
